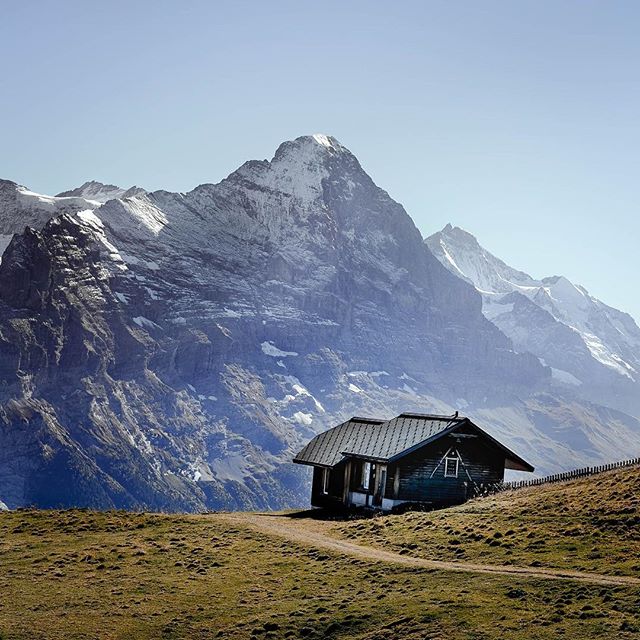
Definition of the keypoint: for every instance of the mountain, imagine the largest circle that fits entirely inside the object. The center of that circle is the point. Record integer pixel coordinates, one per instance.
(173, 350)
(99, 192)
(20, 208)
(588, 344)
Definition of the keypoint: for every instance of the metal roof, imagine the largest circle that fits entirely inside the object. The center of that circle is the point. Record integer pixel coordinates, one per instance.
(374, 439)
(326, 448)
(388, 440)
(400, 434)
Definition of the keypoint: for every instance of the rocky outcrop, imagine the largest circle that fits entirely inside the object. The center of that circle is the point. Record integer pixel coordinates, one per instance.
(21, 208)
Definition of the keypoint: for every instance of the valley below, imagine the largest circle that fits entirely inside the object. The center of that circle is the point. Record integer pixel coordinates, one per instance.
(559, 560)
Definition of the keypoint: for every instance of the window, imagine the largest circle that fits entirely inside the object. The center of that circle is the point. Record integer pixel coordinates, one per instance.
(451, 466)
(325, 480)
(366, 474)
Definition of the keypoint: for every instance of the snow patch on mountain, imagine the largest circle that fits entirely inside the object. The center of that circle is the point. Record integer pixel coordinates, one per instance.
(303, 418)
(233, 467)
(270, 349)
(5, 239)
(145, 323)
(299, 390)
(565, 377)
(31, 199)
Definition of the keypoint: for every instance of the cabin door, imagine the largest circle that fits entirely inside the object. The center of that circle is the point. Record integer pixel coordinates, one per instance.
(380, 483)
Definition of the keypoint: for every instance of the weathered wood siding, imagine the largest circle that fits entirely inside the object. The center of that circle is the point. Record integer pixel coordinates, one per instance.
(422, 476)
(335, 494)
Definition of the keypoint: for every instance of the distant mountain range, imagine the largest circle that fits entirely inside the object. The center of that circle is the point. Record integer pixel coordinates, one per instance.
(587, 344)
(171, 351)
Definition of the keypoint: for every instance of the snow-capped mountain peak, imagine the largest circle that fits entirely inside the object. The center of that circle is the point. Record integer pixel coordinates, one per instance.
(20, 207)
(322, 143)
(101, 193)
(608, 337)
(209, 332)
(462, 254)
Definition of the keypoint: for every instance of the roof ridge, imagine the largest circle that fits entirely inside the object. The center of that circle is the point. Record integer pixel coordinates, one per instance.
(431, 416)
(361, 419)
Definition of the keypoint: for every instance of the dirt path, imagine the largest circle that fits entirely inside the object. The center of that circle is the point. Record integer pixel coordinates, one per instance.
(316, 533)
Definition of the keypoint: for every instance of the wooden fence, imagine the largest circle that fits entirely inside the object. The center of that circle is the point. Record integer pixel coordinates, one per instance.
(557, 477)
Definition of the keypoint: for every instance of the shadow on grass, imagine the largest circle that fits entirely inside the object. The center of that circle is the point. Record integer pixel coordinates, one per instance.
(340, 515)
(356, 513)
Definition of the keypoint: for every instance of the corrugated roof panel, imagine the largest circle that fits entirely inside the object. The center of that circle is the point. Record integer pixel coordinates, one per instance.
(327, 447)
(372, 438)
(390, 438)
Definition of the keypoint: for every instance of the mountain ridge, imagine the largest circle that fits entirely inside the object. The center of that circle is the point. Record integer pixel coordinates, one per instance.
(607, 338)
(172, 350)
(100, 192)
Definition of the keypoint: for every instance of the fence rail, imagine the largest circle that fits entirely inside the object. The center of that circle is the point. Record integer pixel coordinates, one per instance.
(557, 477)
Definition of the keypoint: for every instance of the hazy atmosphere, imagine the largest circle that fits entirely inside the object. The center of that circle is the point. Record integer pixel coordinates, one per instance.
(516, 121)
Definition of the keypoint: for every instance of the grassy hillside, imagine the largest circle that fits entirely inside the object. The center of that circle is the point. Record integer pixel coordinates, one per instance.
(79, 574)
(592, 524)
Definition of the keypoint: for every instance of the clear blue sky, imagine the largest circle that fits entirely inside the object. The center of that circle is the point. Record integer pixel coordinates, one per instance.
(518, 121)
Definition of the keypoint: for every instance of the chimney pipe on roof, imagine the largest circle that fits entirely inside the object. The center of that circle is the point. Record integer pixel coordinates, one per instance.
(455, 415)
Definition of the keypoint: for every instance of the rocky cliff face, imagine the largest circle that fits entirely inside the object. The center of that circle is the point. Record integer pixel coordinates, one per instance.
(171, 351)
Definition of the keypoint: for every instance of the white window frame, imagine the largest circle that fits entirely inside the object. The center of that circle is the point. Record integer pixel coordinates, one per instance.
(325, 480)
(396, 483)
(451, 460)
(366, 475)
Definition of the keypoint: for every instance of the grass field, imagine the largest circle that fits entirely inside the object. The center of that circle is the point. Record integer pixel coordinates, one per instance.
(80, 574)
(591, 524)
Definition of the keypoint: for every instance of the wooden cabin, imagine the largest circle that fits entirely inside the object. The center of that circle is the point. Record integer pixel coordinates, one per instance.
(413, 458)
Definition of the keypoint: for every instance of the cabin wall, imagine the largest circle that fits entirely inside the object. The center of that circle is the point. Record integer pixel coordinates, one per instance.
(373, 495)
(335, 490)
(421, 473)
